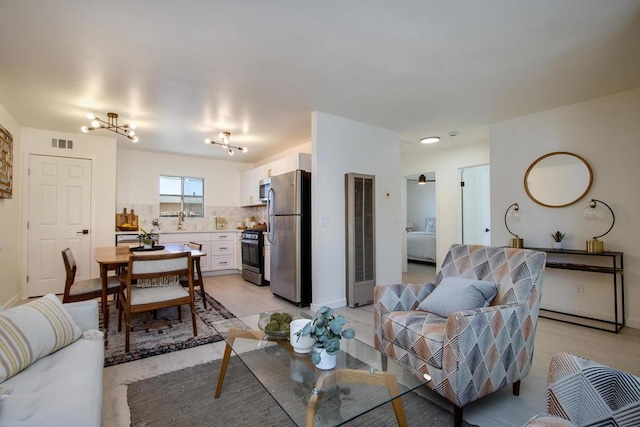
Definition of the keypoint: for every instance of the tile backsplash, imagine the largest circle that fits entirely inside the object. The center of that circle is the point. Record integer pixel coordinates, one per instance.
(148, 212)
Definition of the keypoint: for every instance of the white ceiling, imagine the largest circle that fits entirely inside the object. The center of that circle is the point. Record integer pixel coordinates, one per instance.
(186, 70)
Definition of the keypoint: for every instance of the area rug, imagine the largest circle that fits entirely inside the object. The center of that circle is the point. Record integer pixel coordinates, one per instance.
(165, 333)
(186, 398)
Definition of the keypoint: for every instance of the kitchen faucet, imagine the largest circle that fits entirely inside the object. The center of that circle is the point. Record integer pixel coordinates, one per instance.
(180, 219)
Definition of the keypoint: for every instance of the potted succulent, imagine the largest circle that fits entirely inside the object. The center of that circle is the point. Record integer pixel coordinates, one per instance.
(557, 239)
(326, 329)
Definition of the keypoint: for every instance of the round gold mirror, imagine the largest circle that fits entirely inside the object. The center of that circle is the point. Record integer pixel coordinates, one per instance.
(558, 179)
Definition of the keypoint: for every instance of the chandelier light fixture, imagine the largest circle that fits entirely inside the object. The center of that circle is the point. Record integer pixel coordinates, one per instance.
(225, 138)
(112, 125)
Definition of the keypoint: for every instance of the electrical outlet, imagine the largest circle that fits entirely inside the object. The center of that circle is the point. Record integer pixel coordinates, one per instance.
(578, 290)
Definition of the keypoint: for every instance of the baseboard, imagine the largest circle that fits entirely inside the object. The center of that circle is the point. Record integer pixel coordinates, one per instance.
(335, 304)
(633, 323)
(220, 272)
(13, 301)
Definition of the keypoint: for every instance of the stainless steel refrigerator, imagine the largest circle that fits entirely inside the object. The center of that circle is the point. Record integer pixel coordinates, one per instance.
(289, 207)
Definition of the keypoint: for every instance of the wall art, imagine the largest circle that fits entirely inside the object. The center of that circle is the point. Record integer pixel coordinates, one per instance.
(6, 163)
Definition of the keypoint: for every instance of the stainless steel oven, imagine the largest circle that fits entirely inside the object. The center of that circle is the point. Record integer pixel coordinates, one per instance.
(252, 244)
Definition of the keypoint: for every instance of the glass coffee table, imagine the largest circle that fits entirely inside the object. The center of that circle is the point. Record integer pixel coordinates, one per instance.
(363, 379)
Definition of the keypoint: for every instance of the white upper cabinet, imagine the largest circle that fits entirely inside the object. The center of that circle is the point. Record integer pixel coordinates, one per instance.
(250, 185)
(297, 161)
(251, 179)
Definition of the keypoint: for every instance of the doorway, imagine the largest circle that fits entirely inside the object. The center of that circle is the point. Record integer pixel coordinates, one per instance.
(421, 228)
(59, 217)
(475, 205)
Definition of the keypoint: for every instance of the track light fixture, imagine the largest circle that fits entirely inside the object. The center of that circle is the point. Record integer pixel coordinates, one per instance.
(225, 138)
(112, 125)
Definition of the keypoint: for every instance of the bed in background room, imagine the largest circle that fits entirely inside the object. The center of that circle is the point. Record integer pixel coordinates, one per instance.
(421, 245)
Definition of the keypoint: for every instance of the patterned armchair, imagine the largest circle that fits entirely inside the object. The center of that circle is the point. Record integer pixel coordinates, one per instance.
(582, 392)
(470, 353)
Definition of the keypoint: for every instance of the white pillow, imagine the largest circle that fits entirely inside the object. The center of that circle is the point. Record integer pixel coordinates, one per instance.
(457, 294)
(430, 224)
(33, 330)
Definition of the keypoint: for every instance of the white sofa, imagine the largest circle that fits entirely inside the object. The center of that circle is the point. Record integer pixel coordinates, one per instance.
(63, 388)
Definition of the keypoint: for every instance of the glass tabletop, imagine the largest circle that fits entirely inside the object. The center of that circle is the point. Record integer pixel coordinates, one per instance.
(363, 379)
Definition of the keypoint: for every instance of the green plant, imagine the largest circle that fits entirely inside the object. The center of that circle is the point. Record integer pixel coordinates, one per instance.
(326, 329)
(146, 236)
(558, 236)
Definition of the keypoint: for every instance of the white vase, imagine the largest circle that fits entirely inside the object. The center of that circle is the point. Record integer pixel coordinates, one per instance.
(327, 361)
(557, 245)
(301, 344)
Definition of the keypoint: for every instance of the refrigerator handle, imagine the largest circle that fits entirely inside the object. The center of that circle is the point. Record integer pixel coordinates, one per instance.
(270, 199)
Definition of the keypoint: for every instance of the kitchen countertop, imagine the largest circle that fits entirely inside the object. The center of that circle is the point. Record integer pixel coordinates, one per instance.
(181, 231)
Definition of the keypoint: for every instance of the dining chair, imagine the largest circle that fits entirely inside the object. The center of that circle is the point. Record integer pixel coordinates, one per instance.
(197, 273)
(162, 290)
(84, 289)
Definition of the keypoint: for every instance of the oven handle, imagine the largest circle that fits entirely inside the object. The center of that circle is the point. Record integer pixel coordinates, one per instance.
(249, 242)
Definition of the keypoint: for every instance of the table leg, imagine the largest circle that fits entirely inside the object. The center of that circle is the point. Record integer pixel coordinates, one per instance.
(232, 335)
(104, 270)
(360, 376)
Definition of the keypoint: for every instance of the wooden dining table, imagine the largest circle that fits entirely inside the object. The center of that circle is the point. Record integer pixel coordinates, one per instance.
(113, 257)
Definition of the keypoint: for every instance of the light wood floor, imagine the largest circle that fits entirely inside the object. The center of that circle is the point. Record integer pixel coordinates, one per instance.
(499, 409)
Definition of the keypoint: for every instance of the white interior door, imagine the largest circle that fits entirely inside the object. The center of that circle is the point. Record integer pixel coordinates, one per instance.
(59, 218)
(476, 206)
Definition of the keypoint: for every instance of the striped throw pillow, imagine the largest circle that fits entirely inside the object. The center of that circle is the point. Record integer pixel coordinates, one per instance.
(31, 331)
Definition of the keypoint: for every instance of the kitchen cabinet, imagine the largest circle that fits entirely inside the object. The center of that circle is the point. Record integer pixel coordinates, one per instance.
(223, 251)
(220, 247)
(267, 258)
(270, 169)
(296, 161)
(238, 250)
(250, 185)
(251, 179)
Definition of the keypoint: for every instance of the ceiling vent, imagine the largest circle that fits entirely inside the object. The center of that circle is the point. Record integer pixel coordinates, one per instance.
(65, 144)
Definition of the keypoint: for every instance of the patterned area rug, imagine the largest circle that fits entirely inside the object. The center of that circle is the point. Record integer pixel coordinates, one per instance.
(185, 398)
(164, 334)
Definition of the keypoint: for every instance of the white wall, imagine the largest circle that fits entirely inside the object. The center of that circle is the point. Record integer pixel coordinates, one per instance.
(10, 229)
(102, 153)
(341, 146)
(302, 148)
(421, 203)
(139, 185)
(605, 132)
(446, 163)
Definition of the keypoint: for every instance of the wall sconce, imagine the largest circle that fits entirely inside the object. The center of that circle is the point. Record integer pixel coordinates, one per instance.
(422, 180)
(513, 212)
(595, 212)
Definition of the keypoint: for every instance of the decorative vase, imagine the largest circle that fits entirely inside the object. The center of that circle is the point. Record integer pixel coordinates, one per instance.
(147, 243)
(327, 361)
(557, 245)
(302, 343)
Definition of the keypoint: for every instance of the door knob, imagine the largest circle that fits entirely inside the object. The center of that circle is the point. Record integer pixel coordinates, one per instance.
(486, 230)
(82, 232)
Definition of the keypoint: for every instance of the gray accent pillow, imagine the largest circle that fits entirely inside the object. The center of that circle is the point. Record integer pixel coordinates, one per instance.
(458, 293)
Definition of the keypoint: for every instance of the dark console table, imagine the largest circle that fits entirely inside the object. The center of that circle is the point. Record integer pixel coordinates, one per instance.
(614, 267)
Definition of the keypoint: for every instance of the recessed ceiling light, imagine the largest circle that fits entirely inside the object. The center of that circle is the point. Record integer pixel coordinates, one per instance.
(430, 140)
